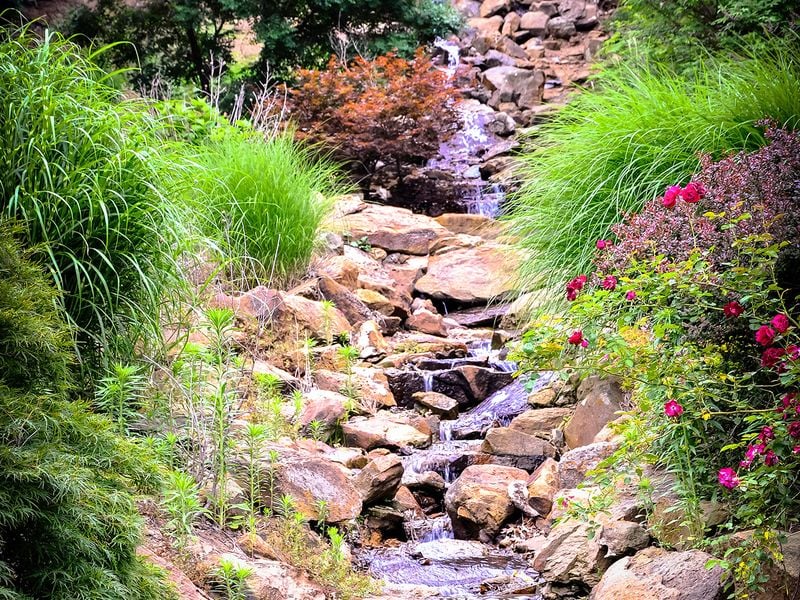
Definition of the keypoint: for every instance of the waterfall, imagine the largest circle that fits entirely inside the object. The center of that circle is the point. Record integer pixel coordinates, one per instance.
(453, 54)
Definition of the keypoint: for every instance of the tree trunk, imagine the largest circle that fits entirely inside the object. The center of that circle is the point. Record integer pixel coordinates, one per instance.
(196, 56)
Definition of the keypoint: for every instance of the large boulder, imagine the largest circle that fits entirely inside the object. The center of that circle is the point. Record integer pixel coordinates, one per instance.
(659, 574)
(490, 8)
(370, 385)
(325, 407)
(524, 87)
(572, 556)
(379, 479)
(308, 479)
(393, 229)
(504, 441)
(471, 275)
(439, 404)
(575, 464)
(543, 485)
(535, 22)
(387, 430)
(540, 422)
(478, 502)
(599, 402)
(314, 318)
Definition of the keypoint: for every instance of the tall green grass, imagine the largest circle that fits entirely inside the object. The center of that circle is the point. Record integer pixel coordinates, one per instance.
(262, 203)
(82, 169)
(611, 150)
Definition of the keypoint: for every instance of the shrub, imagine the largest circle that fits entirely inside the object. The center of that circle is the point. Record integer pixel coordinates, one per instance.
(68, 522)
(608, 152)
(705, 337)
(682, 30)
(81, 169)
(262, 202)
(388, 109)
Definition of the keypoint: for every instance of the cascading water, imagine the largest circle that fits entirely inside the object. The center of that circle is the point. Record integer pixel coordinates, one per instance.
(453, 54)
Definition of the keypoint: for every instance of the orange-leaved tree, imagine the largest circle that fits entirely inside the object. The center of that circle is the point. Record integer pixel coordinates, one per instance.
(387, 110)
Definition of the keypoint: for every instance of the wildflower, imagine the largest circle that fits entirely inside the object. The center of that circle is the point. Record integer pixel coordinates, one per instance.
(609, 283)
(727, 478)
(794, 429)
(671, 196)
(693, 192)
(771, 459)
(780, 322)
(576, 339)
(796, 450)
(732, 309)
(602, 244)
(575, 286)
(772, 356)
(765, 335)
(793, 352)
(786, 402)
(631, 295)
(673, 409)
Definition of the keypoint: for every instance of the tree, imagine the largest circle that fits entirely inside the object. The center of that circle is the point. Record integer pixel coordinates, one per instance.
(388, 110)
(176, 39)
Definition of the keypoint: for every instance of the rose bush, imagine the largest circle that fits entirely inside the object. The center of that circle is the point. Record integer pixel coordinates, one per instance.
(705, 336)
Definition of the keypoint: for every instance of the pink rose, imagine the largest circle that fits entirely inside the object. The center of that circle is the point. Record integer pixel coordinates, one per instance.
(671, 196)
(765, 335)
(727, 478)
(780, 322)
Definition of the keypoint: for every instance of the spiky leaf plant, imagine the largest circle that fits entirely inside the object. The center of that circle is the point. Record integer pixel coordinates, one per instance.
(68, 523)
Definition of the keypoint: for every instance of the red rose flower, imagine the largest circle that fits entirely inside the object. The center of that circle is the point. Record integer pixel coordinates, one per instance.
(631, 295)
(732, 309)
(727, 478)
(780, 322)
(772, 356)
(693, 192)
(771, 459)
(671, 196)
(794, 429)
(602, 244)
(576, 339)
(765, 335)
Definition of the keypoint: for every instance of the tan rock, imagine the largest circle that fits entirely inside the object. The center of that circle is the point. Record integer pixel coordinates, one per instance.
(341, 269)
(575, 464)
(510, 24)
(535, 22)
(486, 27)
(542, 398)
(376, 301)
(504, 441)
(394, 229)
(540, 421)
(439, 404)
(428, 322)
(371, 386)
(543, 485)
(298, 313)
(471, 275)
(379, 479)
(404, 500)
(599, 403)
(478, 502)
(477, 225)
(370, 340)
(387, 430)
(572, 555)
(324, 406)
(354, 310)
(658, 574)
(492, 7)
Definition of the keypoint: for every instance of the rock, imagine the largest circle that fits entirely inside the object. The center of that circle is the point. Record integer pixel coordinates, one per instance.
(470, 384)
(540, 421)
(561, 27)
(387, 430)
(376, 301)
(542, 398)
(379, 479)
(262, 368)
(576, 463)
(478, 225)
(543, 485)
(308, 479)
(656, 574)
(479, 316)
(405, 502)
(370, 341)
(394, 229)
(454, 242)
(325, 407)
(589, 18)
(354, 310)
(427, 322)
(623, 537)
(176, 578)
(505, 441)
(783, 577)
(511, 84)
(340, 269)
(501, 124)
(370, 386)
(428, 481)
(485, 28)
(268, 579)
(510, 24)
(478, 503)
(572, 555)
(492, 7)
(535, 22)
(470, 275)
(439, 404)
(599, 401)
(319, 321)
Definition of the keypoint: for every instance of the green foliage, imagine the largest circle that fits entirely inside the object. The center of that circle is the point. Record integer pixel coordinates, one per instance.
(182, 502)
(608, 152)
(82, 170)
(710, 355)
(262, 203)
(119, 394)
(681, 30)
(232, 578)
(68, 522)
(177, 39)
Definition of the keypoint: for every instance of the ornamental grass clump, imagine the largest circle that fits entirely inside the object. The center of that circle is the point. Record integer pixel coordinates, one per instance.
(702, 330)
(610, 151)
